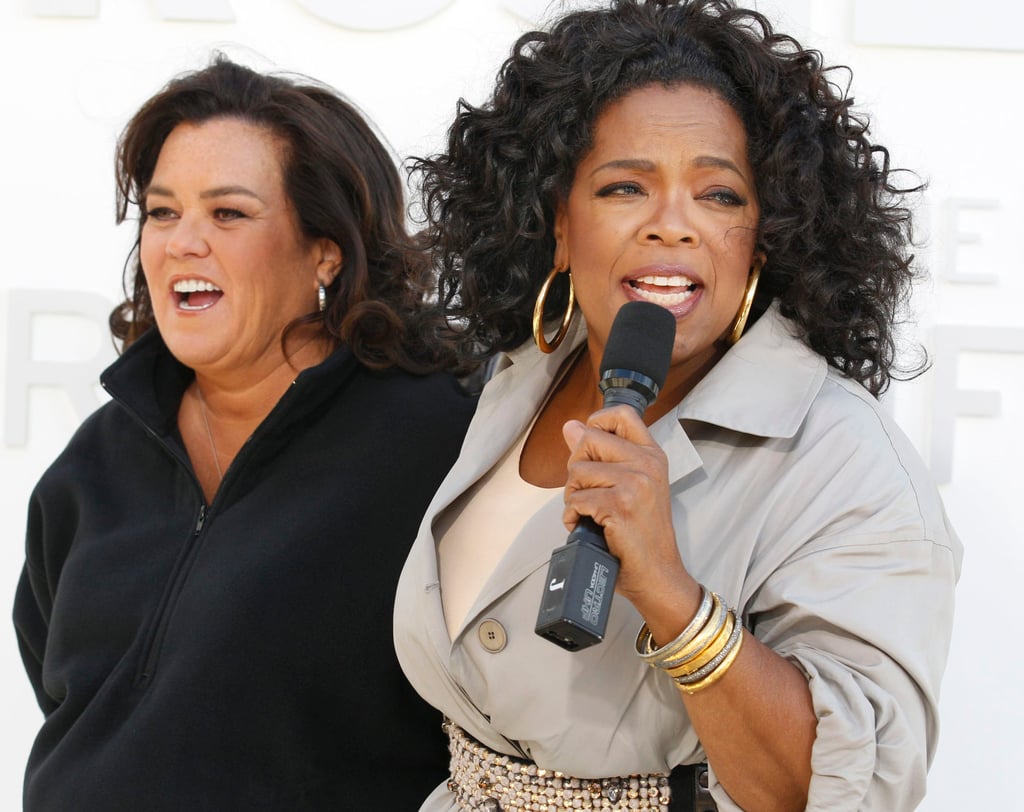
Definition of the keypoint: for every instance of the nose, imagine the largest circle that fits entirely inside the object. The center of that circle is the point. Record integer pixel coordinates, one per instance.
(670, 222)
(187, 238)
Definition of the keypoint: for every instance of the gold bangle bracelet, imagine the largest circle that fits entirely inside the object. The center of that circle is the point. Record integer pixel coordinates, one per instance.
(646, 647)
(710, 651)
(676, 651)
(711, 630)
(717, 673)
(705, 670)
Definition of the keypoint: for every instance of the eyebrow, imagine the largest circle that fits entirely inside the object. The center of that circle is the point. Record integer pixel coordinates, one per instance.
(642, 165)
(638, 164)
(219, 191)
(715, 162)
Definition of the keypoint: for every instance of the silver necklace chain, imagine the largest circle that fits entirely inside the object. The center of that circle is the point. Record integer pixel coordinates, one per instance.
(209, 433)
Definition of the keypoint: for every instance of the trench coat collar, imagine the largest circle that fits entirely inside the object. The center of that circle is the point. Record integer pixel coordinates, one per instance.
(763, 386)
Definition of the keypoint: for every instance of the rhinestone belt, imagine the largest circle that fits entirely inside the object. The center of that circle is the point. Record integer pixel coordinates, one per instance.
(482, 779)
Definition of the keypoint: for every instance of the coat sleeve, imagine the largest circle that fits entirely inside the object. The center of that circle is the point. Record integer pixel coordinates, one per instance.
(33, 604)
(869, 624)
(858, 565)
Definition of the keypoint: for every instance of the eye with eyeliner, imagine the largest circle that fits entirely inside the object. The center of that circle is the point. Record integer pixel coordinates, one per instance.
(620, 189)
(726, 197)
(159, 213)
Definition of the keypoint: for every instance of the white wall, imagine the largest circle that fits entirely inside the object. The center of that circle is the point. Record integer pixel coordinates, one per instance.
(943, 85)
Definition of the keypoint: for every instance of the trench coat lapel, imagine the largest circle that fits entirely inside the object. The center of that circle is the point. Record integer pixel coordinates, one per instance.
(507, 406)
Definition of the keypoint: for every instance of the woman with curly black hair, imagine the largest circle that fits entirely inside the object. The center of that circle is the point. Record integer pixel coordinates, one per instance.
(782, 551)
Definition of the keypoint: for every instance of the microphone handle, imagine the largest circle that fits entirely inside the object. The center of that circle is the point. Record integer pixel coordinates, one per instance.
(578, 594)
(581, 576)
(615, 395)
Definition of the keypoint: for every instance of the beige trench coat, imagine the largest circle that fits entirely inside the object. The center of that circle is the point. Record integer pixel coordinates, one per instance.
(796, 498)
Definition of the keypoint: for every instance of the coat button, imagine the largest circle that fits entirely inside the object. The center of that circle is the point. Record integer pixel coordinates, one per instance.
(492, 635)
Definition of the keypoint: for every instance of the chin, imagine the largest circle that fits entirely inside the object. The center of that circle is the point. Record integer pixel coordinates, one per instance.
(190, 351)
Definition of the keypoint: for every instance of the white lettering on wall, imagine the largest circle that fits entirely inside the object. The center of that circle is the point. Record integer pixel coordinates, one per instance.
(213, 11)
(938, 24)
(381, 15)
(216, 11)
(76, 377)
(65, 8)
(950, 401)
(952, 228)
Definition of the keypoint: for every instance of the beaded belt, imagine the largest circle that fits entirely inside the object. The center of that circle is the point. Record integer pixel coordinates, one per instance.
(482, 779)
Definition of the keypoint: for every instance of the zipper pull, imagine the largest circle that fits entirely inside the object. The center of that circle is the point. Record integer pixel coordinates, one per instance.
(201, 520)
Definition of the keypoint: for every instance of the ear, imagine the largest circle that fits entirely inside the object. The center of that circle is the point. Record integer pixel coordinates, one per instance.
(561, 258)
(328, 256)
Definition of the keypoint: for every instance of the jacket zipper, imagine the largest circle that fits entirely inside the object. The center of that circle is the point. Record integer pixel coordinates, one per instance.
(165, 610)
(151, 653)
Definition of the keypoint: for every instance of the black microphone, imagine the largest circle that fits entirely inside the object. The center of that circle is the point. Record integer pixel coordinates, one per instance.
(581, 577)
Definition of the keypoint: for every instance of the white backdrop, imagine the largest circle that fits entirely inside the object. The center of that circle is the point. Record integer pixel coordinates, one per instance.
(943, 86)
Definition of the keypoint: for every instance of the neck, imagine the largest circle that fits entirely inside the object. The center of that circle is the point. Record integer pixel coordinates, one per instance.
(209, 432)
(231, 405)
(680, 381)
(579, 386)
(247, 394)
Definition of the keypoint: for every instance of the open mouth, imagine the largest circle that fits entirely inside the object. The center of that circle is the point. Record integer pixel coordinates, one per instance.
(667, 291)
(196, 294)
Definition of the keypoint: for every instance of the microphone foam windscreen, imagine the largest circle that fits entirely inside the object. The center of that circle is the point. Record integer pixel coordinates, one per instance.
(641, 340)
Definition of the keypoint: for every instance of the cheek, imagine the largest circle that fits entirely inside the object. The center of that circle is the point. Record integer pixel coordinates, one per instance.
(150, 254)
(735, 259)
(593, 259)
(731, 292)
(731, 277)
(735, 280)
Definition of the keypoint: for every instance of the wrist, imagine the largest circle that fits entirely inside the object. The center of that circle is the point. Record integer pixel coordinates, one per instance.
(670, 604)
(702, 652)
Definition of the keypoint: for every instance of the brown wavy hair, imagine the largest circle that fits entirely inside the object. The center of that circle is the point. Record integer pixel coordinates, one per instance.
(835, 223)
(343, 185)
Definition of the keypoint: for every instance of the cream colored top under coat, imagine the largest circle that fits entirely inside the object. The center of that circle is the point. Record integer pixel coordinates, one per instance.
(491, 509)
(798, 500)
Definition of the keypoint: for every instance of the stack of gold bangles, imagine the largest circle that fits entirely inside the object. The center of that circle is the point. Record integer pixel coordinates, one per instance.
(703, 651)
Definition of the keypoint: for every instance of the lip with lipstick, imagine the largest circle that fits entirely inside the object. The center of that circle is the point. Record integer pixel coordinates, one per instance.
(195, 294)
(675, 289)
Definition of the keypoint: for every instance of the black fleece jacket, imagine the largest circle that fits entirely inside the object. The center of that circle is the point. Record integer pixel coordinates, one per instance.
(237, 655)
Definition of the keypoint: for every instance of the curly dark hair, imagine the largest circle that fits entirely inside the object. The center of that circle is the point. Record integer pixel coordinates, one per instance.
(835, 226)
(343, 185)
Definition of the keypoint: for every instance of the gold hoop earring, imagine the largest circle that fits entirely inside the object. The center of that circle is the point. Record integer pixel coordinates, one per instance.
(538, 313)
(748, 300)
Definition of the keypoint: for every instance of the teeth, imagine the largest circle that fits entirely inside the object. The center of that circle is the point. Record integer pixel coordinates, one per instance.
(666, 281)
(665, 299)
(193, 286)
